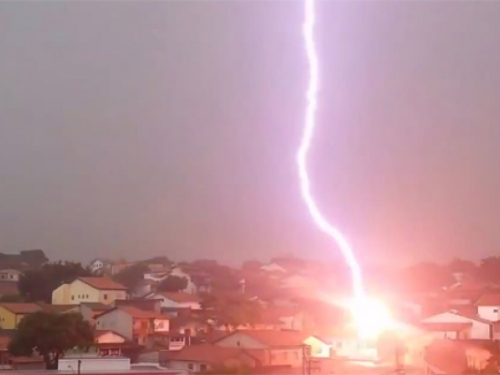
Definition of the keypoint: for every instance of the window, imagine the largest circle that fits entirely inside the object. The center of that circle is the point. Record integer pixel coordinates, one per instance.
(285, 355)
(203, 368)
(105, 296)
(495, 310)
(190, 366)
(72, 297)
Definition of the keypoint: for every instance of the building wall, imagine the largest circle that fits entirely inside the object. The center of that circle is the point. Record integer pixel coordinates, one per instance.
(240, 340)
(118, 321)
(186, 366)
(94, 364)
(319, 349)
(291, 355)
(161, 325)
(166, 303)
(7, 319)
(355, 349)
(60, 295)
(489, 312)
(479, 330)
(9, 275)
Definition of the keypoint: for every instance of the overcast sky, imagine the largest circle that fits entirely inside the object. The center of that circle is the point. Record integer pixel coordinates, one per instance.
(133, 129)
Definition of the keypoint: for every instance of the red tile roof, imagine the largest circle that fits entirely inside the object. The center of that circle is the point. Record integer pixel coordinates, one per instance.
(181, 297)
(207, 353)
(21, 308)
(446, 327)
(144, 314)
(489, 299)
(273, 337)
(102, 283)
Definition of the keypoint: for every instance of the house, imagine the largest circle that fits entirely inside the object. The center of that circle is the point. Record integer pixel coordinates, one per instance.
(206, 357)
(281, 348)
(448, 330)
(89, 289)
(188, 325)
(10, 275)
(100, 265)
(90, 310)
(179, 300)
(132, 323)
(12, 313)
(109, 343)
(488, 306)
(480, 328)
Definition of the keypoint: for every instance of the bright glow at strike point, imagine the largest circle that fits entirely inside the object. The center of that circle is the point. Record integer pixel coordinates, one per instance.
(370, 317)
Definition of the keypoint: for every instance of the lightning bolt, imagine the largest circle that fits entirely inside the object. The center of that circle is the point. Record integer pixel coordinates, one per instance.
(305, 145)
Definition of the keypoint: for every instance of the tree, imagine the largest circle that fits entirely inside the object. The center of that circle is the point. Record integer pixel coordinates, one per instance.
(37, 285)
(426, 277)
(50, 335)
(489, 269)
(231, 310)
(131, 276)
(173, 284)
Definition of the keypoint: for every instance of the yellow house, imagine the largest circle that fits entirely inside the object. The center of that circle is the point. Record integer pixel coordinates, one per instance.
(12, 313)
(89, 289)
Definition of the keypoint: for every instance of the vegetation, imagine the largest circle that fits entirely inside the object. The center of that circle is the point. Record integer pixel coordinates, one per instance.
(50, 335)
(36, 285)
(131, 276)
(231, 310)
(173, 284)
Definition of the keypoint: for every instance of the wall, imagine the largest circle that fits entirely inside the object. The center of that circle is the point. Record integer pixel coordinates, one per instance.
(166, 303)
(239, 339)
(118, 321)
(161, 325)
(107, 297)
(185, 366)
(319, 349)
(7, 319)
(479, 330)
(355, 349)
(60, 295)
(490, 313)
(99, 365)
(80, 292)
(292, 356)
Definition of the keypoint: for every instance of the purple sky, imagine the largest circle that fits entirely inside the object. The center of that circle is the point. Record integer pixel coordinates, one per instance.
(147, 128)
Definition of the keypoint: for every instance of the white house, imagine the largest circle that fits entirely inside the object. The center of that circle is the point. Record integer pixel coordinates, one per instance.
(480, 328)
(488, 306)
(10, 275)
(98, 265)
(179, 300)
